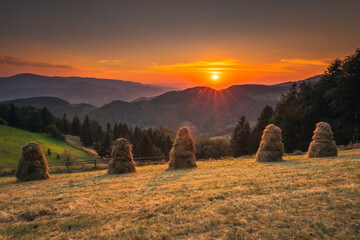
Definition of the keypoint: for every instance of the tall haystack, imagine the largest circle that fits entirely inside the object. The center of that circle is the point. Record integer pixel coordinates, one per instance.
(271, 147)
(323, 144)
(121, 158)
(182, 154)
(32, 164)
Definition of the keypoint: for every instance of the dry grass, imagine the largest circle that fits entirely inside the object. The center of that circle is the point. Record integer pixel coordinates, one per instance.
(299, 198)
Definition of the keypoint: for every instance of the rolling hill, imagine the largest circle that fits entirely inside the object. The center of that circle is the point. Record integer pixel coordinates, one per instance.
(94, 91)
(12, 139)
(55, 105)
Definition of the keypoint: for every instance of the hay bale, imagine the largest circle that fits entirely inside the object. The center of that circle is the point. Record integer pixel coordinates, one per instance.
(323, 144)
(271, 148)
(32, 164)
(182, 154)
(121, 158)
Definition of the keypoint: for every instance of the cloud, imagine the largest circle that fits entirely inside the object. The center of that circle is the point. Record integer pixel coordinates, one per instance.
(305, 61)
(21, 62)
(220, 65)
(111, 61)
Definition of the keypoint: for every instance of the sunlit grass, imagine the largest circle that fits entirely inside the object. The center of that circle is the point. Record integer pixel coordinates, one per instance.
(228, 199)
(12, 140)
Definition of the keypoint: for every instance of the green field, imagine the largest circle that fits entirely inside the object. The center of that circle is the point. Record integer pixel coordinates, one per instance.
(12, 139)
(299, 198)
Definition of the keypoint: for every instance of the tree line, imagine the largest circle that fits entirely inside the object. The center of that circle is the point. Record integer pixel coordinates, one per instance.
(145, 142)
(334, 99)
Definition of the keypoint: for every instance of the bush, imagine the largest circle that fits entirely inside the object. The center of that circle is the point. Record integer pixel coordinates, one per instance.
(54, 131)
(2, 122)
(212, 148)
(68, 157)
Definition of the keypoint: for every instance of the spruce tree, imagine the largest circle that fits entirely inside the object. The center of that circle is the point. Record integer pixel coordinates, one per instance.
(240, 138)
(75, 126)
(86, 135)
(146, 148)
(108, 127)
(98, 139)
(65, 124)
(262, 121)
(47, 117)
(106, 144)
(13, 116)
(288, 114)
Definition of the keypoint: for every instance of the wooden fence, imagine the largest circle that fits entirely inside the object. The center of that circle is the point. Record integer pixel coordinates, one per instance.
(140, 161)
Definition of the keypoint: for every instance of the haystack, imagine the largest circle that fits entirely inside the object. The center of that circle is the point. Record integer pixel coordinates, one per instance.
(323, 144)
(182, 154)
(121, 158)
(32, 164)
(271, 147)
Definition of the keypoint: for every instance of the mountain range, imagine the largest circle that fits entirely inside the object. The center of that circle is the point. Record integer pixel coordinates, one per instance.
(208, 112)
(94, 91)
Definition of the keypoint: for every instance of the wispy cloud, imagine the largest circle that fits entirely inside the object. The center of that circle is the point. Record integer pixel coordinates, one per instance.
(111, 61)
(219, 65)
(305, 61)
(222, 64)
(21, 62)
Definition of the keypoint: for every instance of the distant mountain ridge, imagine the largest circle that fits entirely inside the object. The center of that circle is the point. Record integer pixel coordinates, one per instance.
(208, 112)
(94, 91)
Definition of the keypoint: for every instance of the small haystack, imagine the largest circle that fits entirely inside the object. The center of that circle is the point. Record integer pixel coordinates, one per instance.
(271, 147)
(182, 154)
(323, 144)
(49, 152)
(121, 158)
(32, 164)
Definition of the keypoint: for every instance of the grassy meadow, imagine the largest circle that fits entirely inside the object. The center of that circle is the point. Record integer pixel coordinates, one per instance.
(299, 198)
(12, 139)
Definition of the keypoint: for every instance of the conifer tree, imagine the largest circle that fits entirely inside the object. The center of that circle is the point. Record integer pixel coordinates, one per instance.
(13, 116)
(65, 124)
(75, 126)
(240, 138)
(86, 135)
(47, 117)
(262, 121)
(146, 148)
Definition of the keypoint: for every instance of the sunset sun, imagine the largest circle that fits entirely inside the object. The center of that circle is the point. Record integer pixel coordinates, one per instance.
(215, 77)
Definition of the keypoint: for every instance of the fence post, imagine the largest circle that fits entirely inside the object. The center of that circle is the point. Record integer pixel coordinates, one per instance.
(67, 165)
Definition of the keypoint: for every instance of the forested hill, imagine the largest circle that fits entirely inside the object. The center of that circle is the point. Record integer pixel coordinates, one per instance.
(207, 111)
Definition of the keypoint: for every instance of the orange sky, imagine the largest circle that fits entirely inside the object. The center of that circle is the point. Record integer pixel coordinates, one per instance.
(183, 74)
(177, 43)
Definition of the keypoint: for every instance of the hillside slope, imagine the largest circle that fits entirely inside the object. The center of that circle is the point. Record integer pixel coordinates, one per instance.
(12, 139)
(299, 198)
